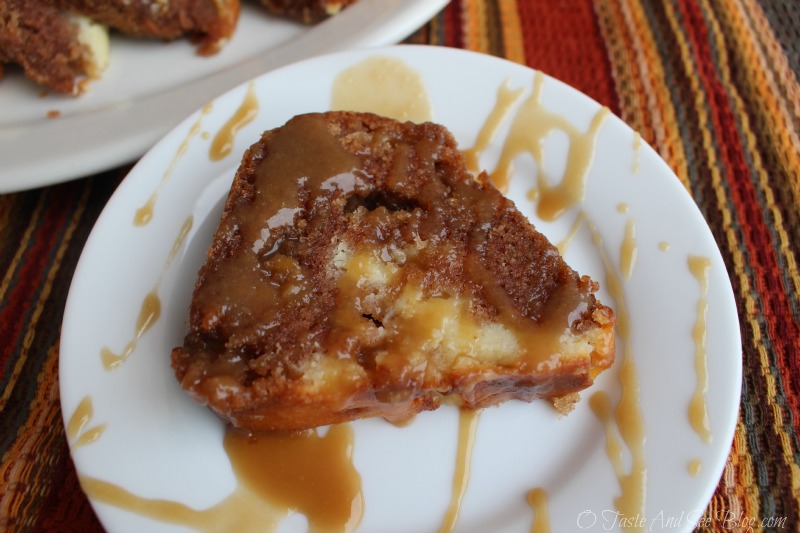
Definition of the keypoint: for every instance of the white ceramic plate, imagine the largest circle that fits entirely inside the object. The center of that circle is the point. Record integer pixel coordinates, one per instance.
(150, 86)
(158, 444)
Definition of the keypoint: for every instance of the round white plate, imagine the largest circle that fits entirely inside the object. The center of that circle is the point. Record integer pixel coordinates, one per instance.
(157, 443)
(149, 86)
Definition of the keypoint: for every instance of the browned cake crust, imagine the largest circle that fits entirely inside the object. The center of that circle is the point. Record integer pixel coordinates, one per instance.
(43, 40)
(309, 11)
(209, 22)
(359, 270)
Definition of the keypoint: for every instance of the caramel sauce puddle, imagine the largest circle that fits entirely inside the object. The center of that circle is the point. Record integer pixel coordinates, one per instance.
(277, 474)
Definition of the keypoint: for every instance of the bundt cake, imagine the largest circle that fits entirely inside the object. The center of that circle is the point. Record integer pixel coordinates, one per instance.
(59, 43)
(208, 22)
(360, 270)
(55, 48)
(308, 11)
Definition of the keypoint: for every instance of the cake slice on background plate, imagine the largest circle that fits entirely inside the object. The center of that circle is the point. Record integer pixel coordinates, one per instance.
(55, 48)
(210, 23)
(308, 11)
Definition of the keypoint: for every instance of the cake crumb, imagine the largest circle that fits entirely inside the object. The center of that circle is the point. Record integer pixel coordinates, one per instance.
(53, 113)
(565, 404)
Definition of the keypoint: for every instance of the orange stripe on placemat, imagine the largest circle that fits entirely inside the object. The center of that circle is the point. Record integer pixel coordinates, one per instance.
(513, 44)
(668, 141)
(473, 24)
(645, 100)
(620, 60)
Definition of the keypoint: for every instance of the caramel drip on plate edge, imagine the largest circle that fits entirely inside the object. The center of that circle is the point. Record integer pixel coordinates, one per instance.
(144, 214)
(506, 98)
(538, 500)
(698, 412)
(276, 474)
(467, 427)
(637, 147)
(77, 433)
(222, 145)
(150, 310)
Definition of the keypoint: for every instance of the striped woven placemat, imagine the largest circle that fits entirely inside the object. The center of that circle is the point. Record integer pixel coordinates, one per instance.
(712, 85)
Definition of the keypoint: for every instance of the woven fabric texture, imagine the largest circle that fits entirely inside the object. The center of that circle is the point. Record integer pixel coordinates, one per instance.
(712, 85)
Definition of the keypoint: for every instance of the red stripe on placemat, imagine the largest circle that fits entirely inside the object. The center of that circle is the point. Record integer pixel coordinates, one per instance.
(452, 25)
(66, 510)
(28, 279)
(563, 40)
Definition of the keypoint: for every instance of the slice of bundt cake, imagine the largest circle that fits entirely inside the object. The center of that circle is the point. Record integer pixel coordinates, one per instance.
(359, 270)
(308, 11)
(54, 48)
(208, 22)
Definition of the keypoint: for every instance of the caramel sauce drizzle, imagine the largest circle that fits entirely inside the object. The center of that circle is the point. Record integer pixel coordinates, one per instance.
(538, 500)
(144, 214)
(623, 208)
(531, 125)
(240, 511)
(663, 246)
(694, 467)
(637, 147)
(222, 145)
(385, 86)
(698, 411)
(573, 230)
(628, 416)
(149, 313)
(506, 98)
(77, 433)
(628, 250)
(600, 404)
(467, 427)
(277, 474)
(150, 310)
